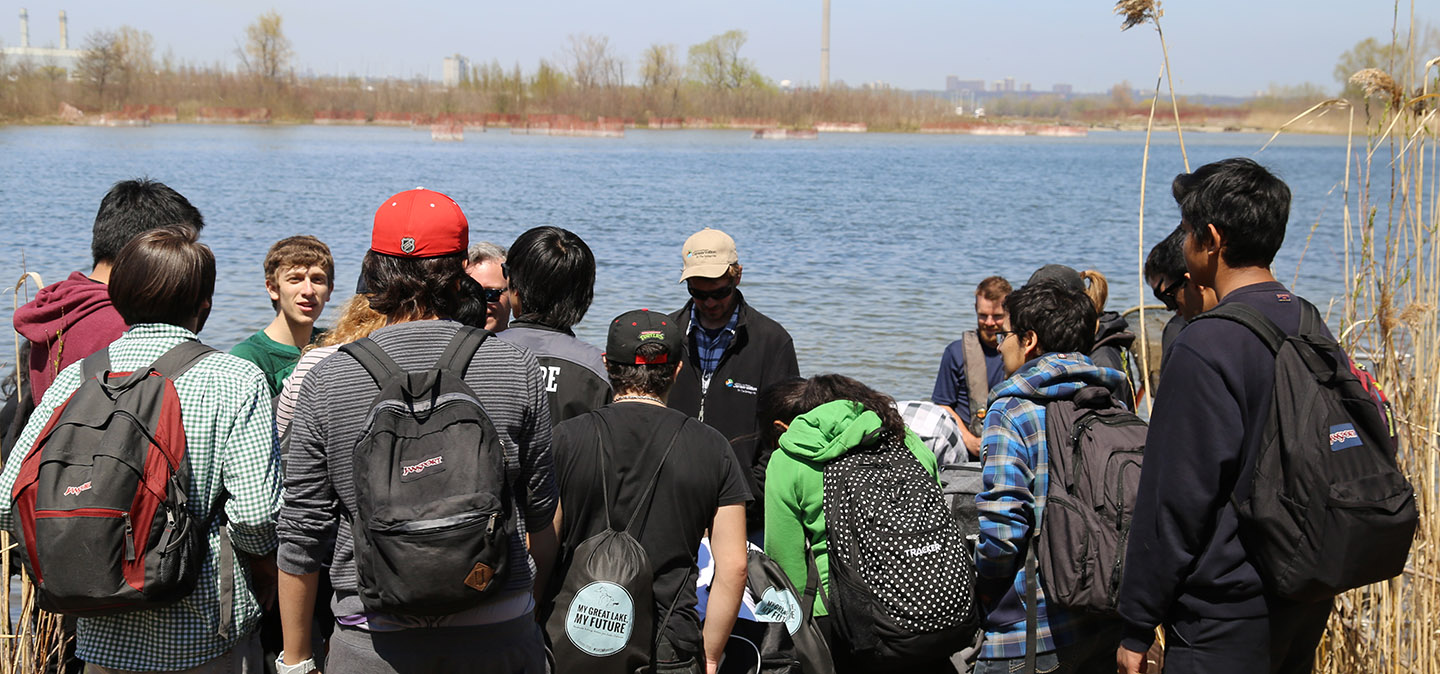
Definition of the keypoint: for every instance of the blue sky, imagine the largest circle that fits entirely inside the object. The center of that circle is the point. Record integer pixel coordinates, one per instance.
(1228, 47)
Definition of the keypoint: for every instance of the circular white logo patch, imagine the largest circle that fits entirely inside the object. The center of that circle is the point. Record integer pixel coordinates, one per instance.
(407, 244)
(600, 619)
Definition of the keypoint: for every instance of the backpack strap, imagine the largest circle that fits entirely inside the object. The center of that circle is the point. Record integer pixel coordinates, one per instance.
(180, 358)
(171, 364)
(1251, 318)
(461, 350)
(95, 364)
(645, 496)
(1032, 543)
(977, 379)
(376, 362)
(812, 584)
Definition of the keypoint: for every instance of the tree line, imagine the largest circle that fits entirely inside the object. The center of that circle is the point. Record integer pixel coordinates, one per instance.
(589, 79)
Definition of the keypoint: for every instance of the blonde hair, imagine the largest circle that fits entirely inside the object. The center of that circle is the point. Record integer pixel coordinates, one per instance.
(357, 320)
(1097, 288)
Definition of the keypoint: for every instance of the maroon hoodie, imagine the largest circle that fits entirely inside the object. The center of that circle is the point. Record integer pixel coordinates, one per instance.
(66, 322)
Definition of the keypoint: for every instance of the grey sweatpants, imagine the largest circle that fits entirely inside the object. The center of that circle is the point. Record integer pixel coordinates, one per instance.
(513, 647)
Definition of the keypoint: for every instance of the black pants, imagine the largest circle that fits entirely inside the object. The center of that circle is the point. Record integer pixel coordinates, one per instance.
(1281, 643)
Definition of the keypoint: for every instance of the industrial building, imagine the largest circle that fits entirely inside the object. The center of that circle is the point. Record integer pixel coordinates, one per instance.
(64, 57)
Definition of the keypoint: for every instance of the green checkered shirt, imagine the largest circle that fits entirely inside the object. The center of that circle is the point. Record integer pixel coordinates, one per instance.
(225, 408)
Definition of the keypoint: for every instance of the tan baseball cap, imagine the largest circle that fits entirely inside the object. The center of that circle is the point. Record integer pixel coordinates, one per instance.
(708, 253)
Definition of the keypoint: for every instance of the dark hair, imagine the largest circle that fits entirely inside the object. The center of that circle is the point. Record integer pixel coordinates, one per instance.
(135, 206)
(1167, 258)
(470, 305)
(791, 398)
(1245, 202)
(412, 288)
(552, 272)
(1062, 318)
(993, 288)
(163, 275)
(650, 380)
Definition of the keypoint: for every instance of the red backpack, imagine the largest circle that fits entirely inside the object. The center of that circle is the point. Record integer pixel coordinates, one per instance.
(100, 516)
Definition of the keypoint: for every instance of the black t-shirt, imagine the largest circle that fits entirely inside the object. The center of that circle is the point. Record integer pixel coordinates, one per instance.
(701, 475)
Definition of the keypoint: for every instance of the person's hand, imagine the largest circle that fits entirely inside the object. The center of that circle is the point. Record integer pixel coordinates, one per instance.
(1129, 662)
(972, 445)
(711, 666)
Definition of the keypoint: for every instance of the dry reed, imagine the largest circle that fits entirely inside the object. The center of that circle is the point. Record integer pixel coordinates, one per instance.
(1392, 267)
(26, 645)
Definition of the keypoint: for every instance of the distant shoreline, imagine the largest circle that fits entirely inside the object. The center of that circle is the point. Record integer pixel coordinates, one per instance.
(1307, 127)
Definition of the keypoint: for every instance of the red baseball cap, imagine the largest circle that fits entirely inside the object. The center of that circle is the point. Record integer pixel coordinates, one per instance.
(420, 223)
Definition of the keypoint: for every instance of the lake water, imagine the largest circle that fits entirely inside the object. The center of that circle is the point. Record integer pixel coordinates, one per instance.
(867, 247)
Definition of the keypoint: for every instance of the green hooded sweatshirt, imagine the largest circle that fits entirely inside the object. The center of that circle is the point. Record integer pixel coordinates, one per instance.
(794, 486)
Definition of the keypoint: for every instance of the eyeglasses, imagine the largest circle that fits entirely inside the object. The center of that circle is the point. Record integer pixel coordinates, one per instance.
(493, 294)
(1166, 295)
(717, 294)
(1001, 334)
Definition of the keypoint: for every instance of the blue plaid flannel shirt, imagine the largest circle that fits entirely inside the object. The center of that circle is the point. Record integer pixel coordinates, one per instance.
(709, 349)
(1016, 456)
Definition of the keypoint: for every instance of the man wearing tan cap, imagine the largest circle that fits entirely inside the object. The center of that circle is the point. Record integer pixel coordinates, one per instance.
(732, 353)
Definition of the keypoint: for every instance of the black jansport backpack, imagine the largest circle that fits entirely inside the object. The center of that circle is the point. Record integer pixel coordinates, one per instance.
(607, 597)
(435, 508)
(100, 502)
(1326, 508)
(901, 581)
(1096, 448)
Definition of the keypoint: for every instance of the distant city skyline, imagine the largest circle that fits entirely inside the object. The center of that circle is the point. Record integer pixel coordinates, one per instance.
(1220, 47)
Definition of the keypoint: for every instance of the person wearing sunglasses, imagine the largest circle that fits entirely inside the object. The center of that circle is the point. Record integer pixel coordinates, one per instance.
(551, 283)
(1171, 284)
(732, 353)
(487, 266)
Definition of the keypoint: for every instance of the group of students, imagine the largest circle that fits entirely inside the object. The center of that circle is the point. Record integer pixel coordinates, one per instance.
(448, 480)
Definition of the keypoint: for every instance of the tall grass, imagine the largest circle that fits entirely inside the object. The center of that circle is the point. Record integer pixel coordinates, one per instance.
(26, 644)
(1392, 262)
(1388, 318)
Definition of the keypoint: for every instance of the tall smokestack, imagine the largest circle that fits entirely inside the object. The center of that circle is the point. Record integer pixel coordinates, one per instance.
(24, 28)
(64, 32)
(825, 47)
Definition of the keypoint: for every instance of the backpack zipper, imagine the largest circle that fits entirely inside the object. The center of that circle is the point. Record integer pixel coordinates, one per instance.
(129, 538)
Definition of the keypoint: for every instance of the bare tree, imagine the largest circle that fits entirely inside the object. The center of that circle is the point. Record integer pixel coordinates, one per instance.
(137, 59)
(659, 67)
(266, 52)
(591, 63)
(101, 61)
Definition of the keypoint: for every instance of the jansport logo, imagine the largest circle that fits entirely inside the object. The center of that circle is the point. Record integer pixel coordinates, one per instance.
(75, 491)
(420, 467)
(1343, 436)
(923, 550)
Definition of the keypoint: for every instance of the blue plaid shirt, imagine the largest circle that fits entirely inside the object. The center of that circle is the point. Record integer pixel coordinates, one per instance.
(1016, 478)
(711, 349)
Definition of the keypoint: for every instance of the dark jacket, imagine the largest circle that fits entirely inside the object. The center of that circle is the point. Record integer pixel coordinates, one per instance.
(575, 378)
(760, 355)
(1184, 556)
(1113, 344)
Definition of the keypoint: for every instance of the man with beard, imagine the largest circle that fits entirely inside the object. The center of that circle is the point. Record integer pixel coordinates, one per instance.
(971, 365)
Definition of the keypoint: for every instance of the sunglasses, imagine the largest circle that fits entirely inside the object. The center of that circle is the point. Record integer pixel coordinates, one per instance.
(717, 294)
(1000, 335)
(493, 294)
(1166, 295)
